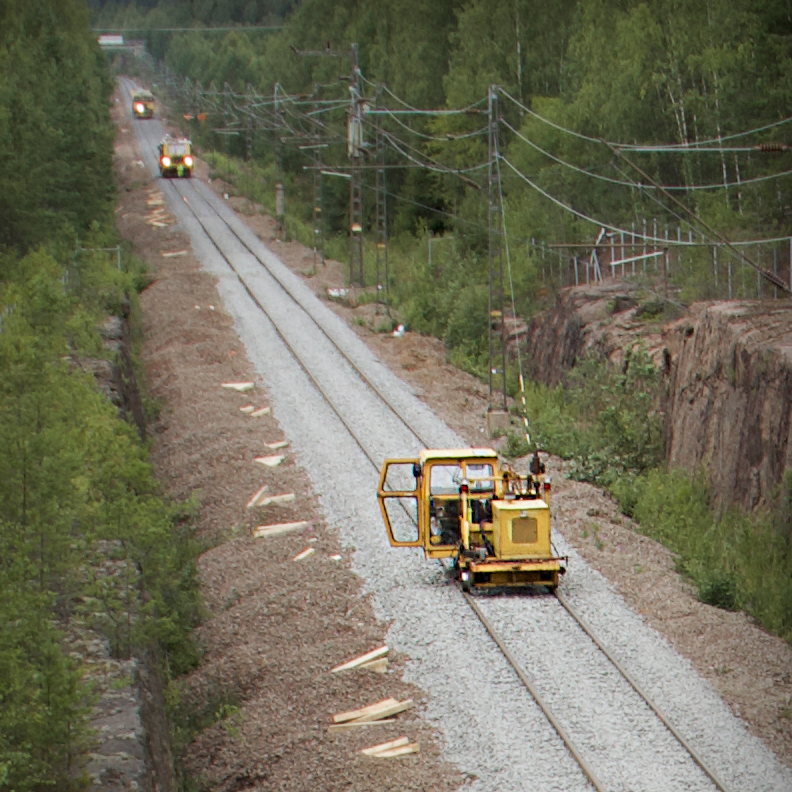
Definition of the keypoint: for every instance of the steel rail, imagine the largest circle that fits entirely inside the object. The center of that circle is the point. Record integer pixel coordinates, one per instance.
(640, 691)
(528, 682)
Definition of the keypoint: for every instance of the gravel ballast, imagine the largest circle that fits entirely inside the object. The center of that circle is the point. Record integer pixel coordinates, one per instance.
(494, 731)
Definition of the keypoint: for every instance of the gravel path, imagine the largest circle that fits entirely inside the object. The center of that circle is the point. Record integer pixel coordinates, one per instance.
(494, 731)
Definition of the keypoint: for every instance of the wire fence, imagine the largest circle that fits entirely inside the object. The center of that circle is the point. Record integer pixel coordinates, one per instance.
(694, 268)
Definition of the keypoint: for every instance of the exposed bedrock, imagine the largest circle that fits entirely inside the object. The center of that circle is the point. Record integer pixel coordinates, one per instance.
(730, 397)
(728, 367)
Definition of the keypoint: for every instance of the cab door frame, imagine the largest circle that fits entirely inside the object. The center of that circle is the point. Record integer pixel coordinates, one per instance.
(384, 494)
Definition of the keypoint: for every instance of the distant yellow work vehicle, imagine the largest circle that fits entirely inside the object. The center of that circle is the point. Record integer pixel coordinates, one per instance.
(175, 157)
(462, 504)
(142, 103)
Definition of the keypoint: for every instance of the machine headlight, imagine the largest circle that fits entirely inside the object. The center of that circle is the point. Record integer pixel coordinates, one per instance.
(140, 107)
(188, 161)
(166, 161)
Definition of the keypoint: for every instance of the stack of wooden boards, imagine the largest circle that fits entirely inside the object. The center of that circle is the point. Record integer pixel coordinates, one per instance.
(374, 714)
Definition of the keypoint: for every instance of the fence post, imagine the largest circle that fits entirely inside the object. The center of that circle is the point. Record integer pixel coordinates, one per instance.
(775, 269)
(644, 244)
(715, 264)
(577, 280)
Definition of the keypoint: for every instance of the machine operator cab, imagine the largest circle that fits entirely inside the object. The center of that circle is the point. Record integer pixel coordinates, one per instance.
(462, 504)
(175, 157)
(142, 103)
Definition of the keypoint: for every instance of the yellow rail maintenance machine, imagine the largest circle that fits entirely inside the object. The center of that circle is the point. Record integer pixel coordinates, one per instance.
(142, 103)
(464, 505)
(175, 157)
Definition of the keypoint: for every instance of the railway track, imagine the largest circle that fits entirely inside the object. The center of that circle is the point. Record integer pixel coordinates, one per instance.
(188, 193)
(201, 208)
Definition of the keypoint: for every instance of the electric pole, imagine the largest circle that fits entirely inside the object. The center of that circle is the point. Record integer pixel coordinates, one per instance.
(497, 414)
(355, 152)
(382, 216)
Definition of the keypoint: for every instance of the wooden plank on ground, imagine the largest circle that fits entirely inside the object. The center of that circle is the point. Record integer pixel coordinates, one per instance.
(287, 497)
(240, 387)
(339, 727)
(261, 411)
(270, 461)
(343, 717)
(401, 751)
(379, 666)
(358, 661)
(248, 408)
(252, 502)
(309, 551)
(265, 531)
(386, 746)
(276, 446)
(394, 709)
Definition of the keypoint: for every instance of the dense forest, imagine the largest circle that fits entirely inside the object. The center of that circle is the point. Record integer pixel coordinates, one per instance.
(86, 540)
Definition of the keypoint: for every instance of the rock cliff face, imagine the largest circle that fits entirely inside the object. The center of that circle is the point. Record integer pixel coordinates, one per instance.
(728, 366)
(730, 397)
(598, 320)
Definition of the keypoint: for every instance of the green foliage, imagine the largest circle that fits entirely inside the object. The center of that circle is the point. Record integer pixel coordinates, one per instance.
(55, 130)
(85, 533)
(516, 446)
(607, 419)
(735, 560)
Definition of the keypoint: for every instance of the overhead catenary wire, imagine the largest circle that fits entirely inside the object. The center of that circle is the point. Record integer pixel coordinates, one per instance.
(641, 185)
(628, 232)
(440, 138)
(684, 148)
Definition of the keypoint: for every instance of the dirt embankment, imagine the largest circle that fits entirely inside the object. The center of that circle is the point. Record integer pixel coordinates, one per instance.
(728, 366)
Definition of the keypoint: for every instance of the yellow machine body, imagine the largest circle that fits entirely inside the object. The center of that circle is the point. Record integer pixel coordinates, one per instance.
(462, 504)
(142, 103)
(175, 157)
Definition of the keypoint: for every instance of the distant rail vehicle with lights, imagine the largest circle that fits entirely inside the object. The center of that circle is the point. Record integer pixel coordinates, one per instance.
(142, 103)
(465, 505)
(175, 157)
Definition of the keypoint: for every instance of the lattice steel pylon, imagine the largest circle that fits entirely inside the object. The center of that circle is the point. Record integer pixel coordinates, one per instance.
(496, 334)
(382, 221)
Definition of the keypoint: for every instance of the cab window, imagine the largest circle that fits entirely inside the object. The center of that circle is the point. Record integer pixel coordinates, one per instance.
(480, 477)
(445, 479)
